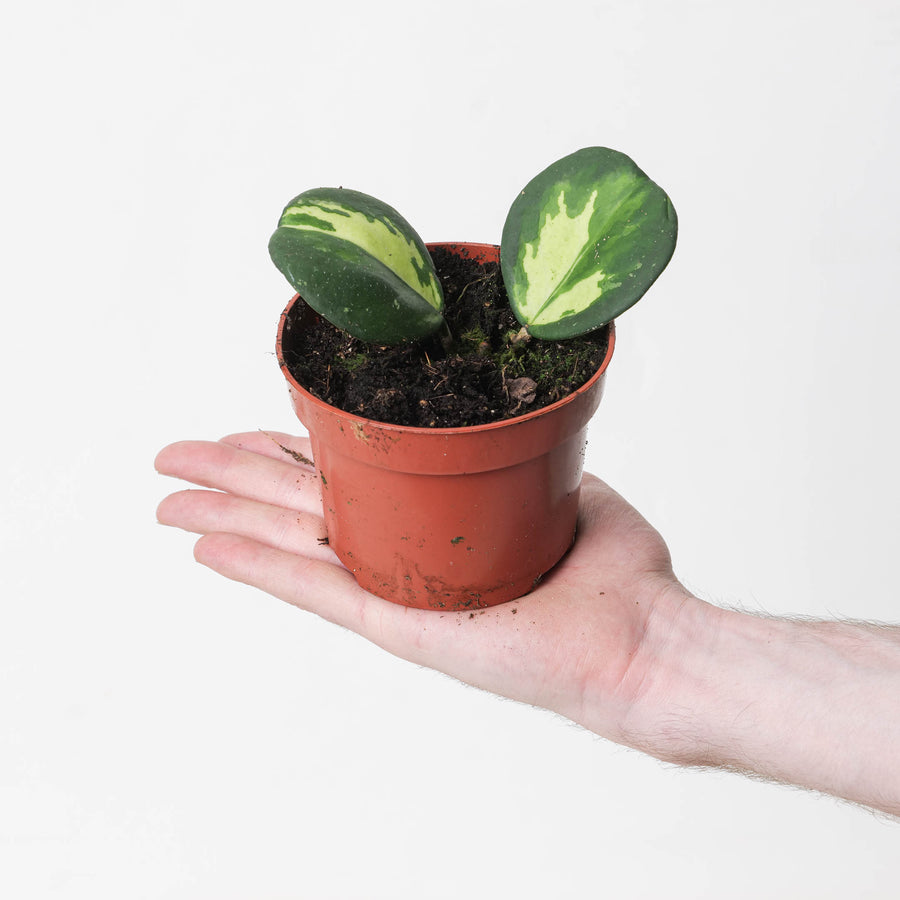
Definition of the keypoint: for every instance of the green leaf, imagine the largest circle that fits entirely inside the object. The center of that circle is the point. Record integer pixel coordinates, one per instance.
(358, 263)
(583, 242)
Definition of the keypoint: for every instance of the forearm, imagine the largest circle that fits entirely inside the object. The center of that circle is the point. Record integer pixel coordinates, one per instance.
(814, 704)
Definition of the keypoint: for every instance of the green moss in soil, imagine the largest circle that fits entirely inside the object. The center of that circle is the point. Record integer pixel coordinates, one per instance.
(477, 373)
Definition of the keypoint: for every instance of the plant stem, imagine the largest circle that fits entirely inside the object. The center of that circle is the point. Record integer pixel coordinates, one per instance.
(448, 342)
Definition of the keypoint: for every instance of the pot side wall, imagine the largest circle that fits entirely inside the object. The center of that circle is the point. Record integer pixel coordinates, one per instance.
(450, 541)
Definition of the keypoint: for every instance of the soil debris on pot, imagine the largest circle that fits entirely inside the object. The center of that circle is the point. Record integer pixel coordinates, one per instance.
(489, 371)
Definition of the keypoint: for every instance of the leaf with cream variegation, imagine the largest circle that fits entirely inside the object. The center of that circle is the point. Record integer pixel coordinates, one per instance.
(359, 263)
(583, 242)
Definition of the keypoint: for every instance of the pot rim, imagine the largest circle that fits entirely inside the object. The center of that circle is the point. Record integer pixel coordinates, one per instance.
(476, 248)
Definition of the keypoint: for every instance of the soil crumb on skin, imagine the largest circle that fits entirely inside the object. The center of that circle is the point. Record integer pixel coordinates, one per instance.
(294, 454)
(484, 375)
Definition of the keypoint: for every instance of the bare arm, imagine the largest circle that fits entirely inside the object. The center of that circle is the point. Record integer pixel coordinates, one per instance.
(809, 703)
(609, 639)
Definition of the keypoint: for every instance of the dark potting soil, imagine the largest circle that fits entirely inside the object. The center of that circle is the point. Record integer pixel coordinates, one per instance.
(482, 376)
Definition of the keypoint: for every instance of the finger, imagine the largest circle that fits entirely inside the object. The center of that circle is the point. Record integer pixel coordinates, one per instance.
(275, 445)
(326, 589)
(224, 467)
(601, 507)
(205, 512)
(608, 520)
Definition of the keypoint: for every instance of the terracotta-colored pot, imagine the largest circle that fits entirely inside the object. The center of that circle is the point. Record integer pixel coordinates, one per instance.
(449, 518)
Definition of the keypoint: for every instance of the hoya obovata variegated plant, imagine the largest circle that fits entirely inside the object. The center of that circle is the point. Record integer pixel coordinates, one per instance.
(582, 242)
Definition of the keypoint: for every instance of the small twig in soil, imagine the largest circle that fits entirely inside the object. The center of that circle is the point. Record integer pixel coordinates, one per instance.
(483, 278)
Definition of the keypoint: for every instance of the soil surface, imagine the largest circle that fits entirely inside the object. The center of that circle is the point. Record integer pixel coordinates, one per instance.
(482, 375)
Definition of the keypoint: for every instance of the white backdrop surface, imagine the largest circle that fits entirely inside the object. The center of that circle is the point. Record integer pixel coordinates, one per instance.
(167, 734)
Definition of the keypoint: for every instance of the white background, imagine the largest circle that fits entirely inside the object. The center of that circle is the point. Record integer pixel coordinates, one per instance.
(167, 734)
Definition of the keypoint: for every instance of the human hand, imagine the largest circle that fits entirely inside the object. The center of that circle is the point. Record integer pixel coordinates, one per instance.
(572, 645)
(609, 638)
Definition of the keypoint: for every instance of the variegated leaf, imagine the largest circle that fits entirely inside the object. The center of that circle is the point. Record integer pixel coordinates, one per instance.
(583, 242)
(358, 263)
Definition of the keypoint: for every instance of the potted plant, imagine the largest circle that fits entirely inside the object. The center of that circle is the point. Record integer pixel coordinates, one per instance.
(456, 515)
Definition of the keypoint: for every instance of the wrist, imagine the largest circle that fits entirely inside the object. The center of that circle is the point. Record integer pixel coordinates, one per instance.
(669, 689)
(812, 704)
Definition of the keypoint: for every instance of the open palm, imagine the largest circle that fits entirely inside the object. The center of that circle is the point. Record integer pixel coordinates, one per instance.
(571, 645)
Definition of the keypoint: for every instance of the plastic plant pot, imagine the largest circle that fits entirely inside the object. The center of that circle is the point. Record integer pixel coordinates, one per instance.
(449, 518)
